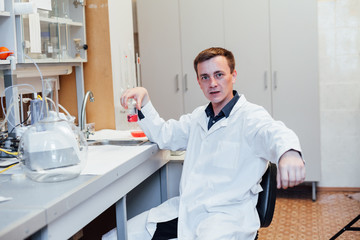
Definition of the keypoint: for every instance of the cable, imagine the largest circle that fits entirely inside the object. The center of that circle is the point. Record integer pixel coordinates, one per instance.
(12, 61)
(60, 106)
(10, 164)
(3, 140)
(8, 167)
(12, 102)
(10, 153)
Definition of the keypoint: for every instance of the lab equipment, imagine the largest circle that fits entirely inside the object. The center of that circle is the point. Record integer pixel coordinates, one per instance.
(77, 47)
(132, 111)
(36, 110)
(52, 149)
(4, 53)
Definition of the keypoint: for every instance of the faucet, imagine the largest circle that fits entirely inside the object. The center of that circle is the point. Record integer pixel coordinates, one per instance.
(82, 116)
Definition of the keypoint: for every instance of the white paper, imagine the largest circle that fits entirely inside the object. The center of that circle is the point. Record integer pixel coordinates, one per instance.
(42, 4)
(4, 199)
(102, 159)
(35, 33)
(109, 134)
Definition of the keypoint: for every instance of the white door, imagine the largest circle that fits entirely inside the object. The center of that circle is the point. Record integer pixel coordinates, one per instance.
(160, 54)
(294, 61)
(201, 28)
(246, 30)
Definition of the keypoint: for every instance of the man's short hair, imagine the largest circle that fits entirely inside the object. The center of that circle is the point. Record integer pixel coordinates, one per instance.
(214, 52)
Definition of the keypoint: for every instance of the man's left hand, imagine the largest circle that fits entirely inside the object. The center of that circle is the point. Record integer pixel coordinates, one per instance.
(291, 170)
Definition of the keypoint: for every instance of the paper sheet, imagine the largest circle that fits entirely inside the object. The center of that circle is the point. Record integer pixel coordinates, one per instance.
(110, 134)
(4, 199)
(35, 33)
(102, 159)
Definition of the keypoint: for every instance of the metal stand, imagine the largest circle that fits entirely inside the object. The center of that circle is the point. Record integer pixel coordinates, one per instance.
(11, 101)
(348, 228)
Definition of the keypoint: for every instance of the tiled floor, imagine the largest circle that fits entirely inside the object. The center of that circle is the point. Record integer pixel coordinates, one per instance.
(297, 217)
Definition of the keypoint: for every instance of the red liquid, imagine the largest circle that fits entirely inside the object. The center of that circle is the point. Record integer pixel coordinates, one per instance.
(138, 134)
(132, 117)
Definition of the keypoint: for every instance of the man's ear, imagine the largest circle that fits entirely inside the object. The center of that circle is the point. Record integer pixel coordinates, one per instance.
(234, 74)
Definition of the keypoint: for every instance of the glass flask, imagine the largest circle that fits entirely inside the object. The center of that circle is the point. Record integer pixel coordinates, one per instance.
(52, 149)
(132, 111)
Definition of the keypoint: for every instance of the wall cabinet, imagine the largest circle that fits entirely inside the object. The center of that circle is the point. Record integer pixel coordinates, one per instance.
(52, 33)
(56, 33)
(171, 34)
(275, 46)
(277, 64)
(62, 33)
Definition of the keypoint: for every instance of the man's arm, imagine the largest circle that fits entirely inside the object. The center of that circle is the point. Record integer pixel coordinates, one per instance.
(291, 170)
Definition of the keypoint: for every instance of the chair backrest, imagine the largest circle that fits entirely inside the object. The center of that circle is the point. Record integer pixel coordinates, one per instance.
(266, 201)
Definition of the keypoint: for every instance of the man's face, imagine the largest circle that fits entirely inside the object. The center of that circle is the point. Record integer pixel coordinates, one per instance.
(216, 81)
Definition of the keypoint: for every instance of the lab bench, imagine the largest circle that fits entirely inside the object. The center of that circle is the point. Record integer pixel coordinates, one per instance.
(59, 210)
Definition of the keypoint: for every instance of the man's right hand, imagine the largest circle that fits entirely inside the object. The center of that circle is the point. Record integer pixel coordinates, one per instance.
(139, 94)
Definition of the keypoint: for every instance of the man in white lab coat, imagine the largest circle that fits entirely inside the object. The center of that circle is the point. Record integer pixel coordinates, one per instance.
(228, 144)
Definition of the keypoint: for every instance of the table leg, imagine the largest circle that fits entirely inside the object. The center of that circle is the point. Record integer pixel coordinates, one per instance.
(121, 219)
(164, 183)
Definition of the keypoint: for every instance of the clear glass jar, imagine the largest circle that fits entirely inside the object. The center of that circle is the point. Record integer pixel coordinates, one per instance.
(52, 149)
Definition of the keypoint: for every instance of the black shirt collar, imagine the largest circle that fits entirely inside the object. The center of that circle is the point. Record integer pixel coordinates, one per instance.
(225, 111)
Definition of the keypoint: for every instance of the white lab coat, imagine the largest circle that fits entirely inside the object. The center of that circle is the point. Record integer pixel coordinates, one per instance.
(221, 172)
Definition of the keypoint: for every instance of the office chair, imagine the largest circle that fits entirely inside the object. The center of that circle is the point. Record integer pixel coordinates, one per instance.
(266, 201)
(348, 227)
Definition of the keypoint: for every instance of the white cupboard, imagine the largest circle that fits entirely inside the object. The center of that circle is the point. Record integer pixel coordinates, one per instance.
(275, 46)
(171, 34)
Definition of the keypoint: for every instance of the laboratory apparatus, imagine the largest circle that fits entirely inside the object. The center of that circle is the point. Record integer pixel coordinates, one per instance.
(132, 118)
(132, 115)
(52, 149)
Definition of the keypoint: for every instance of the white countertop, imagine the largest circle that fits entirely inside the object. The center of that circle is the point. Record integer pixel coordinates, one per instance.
(110, 172)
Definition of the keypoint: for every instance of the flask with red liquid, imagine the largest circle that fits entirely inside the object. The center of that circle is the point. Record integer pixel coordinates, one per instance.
(132, 118)
(132, 111)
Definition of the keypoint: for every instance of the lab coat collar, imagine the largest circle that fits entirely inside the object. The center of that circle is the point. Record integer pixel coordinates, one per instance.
(203, 118)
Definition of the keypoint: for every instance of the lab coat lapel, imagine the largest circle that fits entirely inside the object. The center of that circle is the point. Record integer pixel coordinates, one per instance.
(203, 119)
(222, 123)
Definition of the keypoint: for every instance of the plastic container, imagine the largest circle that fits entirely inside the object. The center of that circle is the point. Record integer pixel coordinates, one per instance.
(52, 149)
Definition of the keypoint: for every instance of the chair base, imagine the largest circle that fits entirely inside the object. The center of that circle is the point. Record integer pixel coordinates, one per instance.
(348, 228)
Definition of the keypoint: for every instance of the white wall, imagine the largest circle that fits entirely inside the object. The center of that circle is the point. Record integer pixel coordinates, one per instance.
(339, 63)
(122, 53)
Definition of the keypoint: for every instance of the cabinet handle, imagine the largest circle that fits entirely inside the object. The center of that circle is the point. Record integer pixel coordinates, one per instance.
(265, 80)
(177, 83)
(186, 83)
(275, 80)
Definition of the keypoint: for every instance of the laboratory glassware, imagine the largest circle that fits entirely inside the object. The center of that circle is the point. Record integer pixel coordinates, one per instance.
(52, 149)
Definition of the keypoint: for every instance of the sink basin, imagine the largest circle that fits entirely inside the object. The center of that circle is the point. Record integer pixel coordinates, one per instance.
(116, 142)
